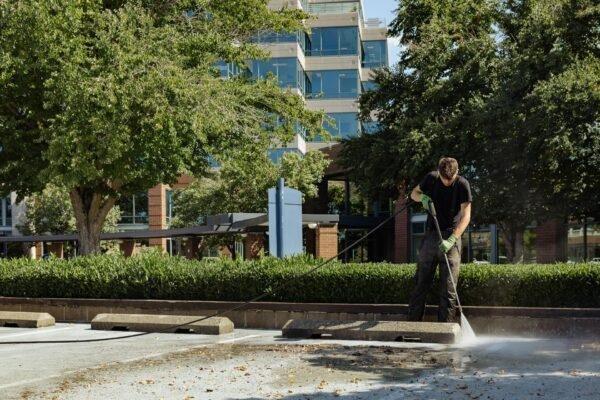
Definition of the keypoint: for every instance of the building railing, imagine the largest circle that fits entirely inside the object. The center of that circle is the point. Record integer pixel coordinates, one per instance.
(325, 96)
(336, 8)
(330, 53)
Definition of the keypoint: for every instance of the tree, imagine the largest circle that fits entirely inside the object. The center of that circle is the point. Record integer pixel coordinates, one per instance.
(109, 98)
(51, 212)
(241, 184)
(485, 82)
(48, 212)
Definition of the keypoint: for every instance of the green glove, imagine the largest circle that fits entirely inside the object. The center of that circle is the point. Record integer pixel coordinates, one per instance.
(447, 244)
(425, 200)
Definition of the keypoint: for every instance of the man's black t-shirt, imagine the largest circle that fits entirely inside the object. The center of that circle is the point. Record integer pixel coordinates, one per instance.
(447, 199)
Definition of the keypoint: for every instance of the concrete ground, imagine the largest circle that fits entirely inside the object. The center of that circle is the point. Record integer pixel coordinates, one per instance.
(255, 364)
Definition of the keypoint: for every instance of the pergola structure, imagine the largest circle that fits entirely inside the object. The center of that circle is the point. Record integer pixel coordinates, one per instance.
(319, 239)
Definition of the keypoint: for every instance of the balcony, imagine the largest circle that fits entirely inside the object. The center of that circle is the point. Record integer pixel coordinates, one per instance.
(336, 9)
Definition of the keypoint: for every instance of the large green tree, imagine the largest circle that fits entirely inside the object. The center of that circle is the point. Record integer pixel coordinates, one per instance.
(510, 88)
(51, 212)
(109, 98)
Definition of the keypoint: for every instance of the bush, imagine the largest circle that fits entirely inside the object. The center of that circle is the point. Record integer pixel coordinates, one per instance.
(153, 276)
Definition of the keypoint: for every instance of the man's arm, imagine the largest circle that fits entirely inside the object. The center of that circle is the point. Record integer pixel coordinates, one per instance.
(420, 197)
(465, 219)
(417, 194)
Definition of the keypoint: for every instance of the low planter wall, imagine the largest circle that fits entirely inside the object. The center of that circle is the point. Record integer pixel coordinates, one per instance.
(521, 321)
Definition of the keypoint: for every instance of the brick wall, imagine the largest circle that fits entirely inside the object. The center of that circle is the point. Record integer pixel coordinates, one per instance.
(157, 218)
(401, 234)
(326, 241)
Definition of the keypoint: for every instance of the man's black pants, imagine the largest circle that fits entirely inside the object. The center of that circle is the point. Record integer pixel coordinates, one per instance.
(429, 258)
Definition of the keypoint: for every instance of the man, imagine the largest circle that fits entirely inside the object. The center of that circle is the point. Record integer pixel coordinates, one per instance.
(451, 196)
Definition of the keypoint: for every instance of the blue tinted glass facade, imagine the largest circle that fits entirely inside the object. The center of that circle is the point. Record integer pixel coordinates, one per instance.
(228, 70)
(346, 125)
(288, 71)
(374, 54)
(334, 84)
(338, 41)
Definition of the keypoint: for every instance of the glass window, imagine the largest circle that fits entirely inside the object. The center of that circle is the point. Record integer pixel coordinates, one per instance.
(374, 54)
(288, 71)
(338, 41)
(169, 211)
(8, 212)
(346, 125)
(134, 209)
(584, 241)
(5, 212)
(141, 208)
(332, 84)
(228, 70)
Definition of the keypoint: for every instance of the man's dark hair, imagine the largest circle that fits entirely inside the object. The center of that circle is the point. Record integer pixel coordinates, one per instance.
(448, 167)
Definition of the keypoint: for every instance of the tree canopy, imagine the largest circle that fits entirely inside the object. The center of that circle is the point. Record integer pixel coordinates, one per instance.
(109, 98)
(241, 184)
(511, 88)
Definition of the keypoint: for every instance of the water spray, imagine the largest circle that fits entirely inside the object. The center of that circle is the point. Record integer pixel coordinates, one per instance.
(466, 330)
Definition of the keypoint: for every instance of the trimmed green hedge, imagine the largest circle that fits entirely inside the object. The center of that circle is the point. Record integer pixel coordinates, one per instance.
(153, 276)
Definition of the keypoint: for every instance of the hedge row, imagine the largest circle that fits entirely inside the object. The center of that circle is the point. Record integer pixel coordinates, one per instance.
(153, 276)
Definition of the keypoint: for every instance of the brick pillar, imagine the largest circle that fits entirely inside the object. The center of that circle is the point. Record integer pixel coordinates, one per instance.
(401, 234)
(254, 246)
(39, 250)
(551, 241)
(127, 247)
(157, 218)
(326, 241)
(56, 249)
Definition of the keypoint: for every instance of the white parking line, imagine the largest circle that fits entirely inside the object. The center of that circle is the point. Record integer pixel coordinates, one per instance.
(134, 359)
(36, 332)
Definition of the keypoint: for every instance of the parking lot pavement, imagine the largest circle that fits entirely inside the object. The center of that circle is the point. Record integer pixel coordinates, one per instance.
(28, 366)
(256, 364)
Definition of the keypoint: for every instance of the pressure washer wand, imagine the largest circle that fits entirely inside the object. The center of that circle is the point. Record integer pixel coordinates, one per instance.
(439, 231)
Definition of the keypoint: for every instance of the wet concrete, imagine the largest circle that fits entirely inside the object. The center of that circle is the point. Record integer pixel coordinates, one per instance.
(262, 365)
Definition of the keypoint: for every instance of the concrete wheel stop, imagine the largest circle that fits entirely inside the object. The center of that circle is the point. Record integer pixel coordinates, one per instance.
(389, 331)
(17, 319)
(162, 323)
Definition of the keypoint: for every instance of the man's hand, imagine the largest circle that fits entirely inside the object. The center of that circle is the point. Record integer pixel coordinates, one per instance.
(447, 244)
(425, 200)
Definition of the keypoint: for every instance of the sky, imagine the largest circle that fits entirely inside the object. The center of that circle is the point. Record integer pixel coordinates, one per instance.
(384, 9)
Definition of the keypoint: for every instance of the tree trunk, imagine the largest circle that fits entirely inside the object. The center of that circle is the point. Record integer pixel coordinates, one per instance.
(90, 209)
(513, 242)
